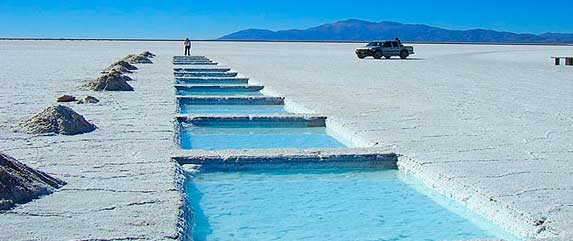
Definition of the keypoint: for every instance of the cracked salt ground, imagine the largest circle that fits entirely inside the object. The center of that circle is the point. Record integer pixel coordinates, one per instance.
(464, 110)
(120, 176)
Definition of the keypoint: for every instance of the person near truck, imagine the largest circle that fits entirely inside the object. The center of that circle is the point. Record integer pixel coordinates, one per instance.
(399, 42)
(187, 45)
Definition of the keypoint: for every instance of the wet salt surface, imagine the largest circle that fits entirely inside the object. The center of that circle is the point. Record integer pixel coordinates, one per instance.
(326, 205)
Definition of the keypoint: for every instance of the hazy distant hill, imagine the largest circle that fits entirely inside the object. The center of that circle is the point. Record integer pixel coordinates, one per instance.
(359, 30)
(558, 37)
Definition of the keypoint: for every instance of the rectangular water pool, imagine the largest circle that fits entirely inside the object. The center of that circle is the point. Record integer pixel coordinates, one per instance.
(221, 135)
(212, 81)
(231, 109)
(194, 63)
(201, 69)
(206, 74)
(230, 104)
(220, 90)
(327, 204)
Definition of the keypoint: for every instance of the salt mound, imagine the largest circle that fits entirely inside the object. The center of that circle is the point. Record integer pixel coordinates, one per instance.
(123, 64)
(112, 81)
(20, 183)
(88, 100)
(148, 54)
(117, 68)
(137, 59)
(116, 72)
(58, 119)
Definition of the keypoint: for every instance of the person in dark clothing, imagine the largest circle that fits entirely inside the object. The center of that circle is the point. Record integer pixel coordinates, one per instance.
(187, 45)
(399, 42)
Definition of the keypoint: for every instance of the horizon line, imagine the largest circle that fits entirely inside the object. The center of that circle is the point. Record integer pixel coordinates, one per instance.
(270, 41)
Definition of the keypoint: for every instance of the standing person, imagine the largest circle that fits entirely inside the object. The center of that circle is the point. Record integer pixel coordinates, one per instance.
(398, 40)
(187, 47)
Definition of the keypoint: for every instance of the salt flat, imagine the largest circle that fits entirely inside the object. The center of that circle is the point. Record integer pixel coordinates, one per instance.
(487, 125)
(120, 177)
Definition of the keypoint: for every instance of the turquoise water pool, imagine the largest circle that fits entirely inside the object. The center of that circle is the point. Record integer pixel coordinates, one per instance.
(326, 205)
(195, 63)
(221, 136)
(231, 109)
(206, 74)
(184, 70)
(217, 91)
(213, 81)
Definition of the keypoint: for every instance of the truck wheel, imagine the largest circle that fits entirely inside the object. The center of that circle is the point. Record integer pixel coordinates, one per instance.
(378, 55)
(404, 54)
(360, 56)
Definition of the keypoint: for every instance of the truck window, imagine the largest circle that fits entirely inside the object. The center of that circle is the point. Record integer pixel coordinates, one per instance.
(395, 44)
(387, 44)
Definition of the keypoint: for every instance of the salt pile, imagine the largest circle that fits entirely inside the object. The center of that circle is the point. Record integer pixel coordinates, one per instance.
(88, 100)
(112, 81)
(124, 64)
(148, 54)
(117, 68)
(20, 183)
(137, 59)
(58, 120)
(120, 66)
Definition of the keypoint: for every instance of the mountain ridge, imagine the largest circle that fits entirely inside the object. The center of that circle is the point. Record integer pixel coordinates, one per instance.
(361, 30)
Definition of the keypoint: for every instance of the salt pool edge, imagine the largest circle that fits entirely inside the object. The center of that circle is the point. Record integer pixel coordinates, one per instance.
(379, 157)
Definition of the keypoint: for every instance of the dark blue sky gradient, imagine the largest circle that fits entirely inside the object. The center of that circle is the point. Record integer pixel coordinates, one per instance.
(214, 18)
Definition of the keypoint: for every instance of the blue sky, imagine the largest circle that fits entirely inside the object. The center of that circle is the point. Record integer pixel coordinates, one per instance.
(213, 18)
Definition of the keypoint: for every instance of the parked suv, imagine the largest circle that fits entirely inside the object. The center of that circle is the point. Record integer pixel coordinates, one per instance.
(385, 49)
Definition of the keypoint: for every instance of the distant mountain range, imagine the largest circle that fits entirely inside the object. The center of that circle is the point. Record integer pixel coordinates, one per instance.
(359, 30)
